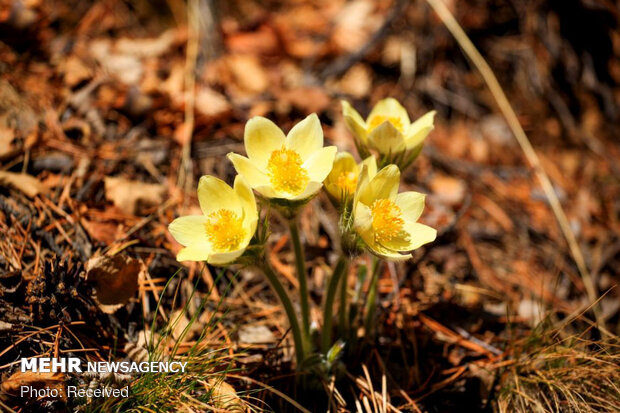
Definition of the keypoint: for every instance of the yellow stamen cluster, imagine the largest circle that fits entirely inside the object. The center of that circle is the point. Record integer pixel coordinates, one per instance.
(386, 220)
(347, 182)
(286, 173)
(377, 120)
(224, 230)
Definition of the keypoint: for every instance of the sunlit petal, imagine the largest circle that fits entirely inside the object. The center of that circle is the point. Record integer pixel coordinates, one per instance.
(189, 230)
(194, 252)
(222, 258)
(390, 107)
(254, 176)
(419, 130)
(354, 121)
(250, 213)
(320, 163)
(386, 139)
(261, 138)
(214, 194)
(306, 137)
(384, 185)
(411, 204)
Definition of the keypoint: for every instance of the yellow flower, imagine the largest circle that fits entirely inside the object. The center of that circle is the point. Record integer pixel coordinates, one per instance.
(389, 131)
(342, 180)
(282, 168)
(222, 234)
(385, 219)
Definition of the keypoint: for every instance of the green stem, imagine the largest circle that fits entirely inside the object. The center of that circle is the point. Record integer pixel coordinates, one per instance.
(288, 308)
(344, 307)
(341, 268)
(300, 262)
(372, 296)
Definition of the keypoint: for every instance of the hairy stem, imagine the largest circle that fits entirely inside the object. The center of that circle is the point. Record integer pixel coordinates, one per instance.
(300, 263)
(343, 317)
(288, 308)
(371, 299)
(341, 268)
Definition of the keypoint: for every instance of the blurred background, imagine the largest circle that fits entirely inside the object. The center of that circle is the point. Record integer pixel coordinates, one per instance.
(113, 109)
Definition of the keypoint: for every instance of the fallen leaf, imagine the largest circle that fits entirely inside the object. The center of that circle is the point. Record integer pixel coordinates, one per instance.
(211, 103)
(357, 81)
(307, 99)
(7, 145)
(25, 183)
(115, 278)
(128, 195)
(262, 41)
(354, 24)
(449, 190)
(256, 334)
(52, 381)
(248, 73)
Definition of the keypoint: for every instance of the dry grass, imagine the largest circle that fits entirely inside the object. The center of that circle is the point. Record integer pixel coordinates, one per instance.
(555, 372)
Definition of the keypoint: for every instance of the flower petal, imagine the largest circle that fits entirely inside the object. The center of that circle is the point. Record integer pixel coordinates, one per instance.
(261, 138)
(419, 130)
(189, 230)
(214, 194)
(194, 252)
(354, 121)
(418, 235)
(250, 212)
(223, 258)
(386, 139)
(362, 220)
(320, 163)
(390, 107)
(384, 185)
(344, 164)
(267, 191)
(362, 185)
(371, 164)
(306, 137)
(388, 254)
(244, 167)
(411, 204)
(311, 189)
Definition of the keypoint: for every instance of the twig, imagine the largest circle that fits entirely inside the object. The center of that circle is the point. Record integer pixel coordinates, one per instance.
(185, 169)
(513, 122)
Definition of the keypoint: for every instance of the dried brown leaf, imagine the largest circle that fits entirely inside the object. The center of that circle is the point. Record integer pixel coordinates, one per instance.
(25, 183)
(52, 381)
(115, 278)
(128, 195)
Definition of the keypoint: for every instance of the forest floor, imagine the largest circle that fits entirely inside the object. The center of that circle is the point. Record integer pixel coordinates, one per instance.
(110, 111)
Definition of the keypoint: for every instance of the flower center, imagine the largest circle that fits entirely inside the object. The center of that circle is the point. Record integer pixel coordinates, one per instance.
(347, 182)
(379, 119)
(386, 220)
(224, 230)
(286, 173)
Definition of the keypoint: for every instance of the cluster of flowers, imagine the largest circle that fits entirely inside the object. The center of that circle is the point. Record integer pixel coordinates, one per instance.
(287, 171)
